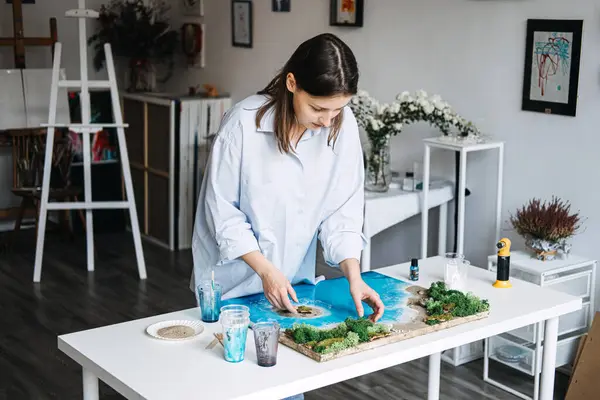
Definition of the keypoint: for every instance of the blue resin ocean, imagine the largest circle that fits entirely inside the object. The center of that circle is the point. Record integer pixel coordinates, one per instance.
(332, 302)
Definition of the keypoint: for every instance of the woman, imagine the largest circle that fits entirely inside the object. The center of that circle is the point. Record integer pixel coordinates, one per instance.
(285, 169)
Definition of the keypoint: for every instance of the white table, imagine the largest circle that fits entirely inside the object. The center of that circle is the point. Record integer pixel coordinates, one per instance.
(140, 367)
(383, 210)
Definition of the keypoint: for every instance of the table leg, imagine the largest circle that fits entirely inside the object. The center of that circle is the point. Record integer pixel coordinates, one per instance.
(90, 386)
(442, 230)
(462, 184)
(499, 190)
(425, 202)
(549, 359)
(433, 388)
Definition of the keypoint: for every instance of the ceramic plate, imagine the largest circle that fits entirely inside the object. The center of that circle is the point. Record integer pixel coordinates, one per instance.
(175, 330)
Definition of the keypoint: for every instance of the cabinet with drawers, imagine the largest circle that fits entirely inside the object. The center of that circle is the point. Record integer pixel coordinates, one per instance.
(522, 348)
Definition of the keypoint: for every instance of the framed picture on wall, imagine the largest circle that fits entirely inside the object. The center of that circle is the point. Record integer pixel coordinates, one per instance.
(551, 76)
(192, 8)
(346, 13)
(241, 23)
(281, 5)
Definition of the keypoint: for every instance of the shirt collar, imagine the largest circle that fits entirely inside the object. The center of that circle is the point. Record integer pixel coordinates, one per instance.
(267, 125)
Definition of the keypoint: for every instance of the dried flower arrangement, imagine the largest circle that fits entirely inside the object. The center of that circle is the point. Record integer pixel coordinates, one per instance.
(546, 226)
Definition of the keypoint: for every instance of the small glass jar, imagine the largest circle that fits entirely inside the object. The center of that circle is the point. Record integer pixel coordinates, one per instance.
(408, 184)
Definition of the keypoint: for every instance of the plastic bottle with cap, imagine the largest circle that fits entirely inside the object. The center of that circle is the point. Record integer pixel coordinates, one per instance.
(408, 184)
(414, 269)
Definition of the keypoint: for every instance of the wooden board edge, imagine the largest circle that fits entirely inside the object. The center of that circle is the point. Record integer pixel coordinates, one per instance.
(398, 337)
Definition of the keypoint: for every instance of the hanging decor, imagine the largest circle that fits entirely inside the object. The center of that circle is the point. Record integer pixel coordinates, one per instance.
(241, 23)
(192, 8)
(346, 13)
(552, 55)
(193, 43)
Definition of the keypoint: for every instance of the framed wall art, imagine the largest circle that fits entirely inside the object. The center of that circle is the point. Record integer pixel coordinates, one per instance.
(346, 13)
(552, 56)
(281, 5)
(241, 23)
(192, 8)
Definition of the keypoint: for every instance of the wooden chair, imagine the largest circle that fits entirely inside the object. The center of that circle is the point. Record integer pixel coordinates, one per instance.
(28, 152)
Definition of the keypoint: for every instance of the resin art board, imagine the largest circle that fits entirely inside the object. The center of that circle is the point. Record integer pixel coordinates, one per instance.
(328, 303)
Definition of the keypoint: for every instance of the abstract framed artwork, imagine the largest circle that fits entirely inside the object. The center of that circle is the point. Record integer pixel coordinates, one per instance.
(241, 23)
(346, 13)
(552, 57)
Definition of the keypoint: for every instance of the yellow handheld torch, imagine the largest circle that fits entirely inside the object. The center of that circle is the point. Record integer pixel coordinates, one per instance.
(503, 264)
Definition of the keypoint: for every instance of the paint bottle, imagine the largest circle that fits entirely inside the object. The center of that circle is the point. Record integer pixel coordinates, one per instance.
(414, 269)
(503, 264)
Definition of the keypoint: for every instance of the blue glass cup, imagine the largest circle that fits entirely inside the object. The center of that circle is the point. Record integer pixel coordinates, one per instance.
(235, 321)
(209, 301)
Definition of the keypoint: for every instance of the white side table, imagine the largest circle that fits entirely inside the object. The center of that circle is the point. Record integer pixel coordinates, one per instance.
(383, 210)
(521, 349)
(471, 351)
(464, 149)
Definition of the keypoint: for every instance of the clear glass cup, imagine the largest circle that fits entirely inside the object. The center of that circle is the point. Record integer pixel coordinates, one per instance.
(209, 301)
(266, 341)
(235, 307)
(456, 274)
(235, 322)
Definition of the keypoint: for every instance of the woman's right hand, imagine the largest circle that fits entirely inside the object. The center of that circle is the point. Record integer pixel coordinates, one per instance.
(275, 285)
(277, 288)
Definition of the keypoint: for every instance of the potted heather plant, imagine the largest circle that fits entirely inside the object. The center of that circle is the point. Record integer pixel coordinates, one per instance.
(139, 33)
(382, 121)
(546, 227)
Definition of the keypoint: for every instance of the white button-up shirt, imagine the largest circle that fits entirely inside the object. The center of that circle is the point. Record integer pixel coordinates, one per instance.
(253, 197)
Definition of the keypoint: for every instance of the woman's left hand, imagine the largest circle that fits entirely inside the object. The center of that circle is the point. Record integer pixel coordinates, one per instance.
(360, 292)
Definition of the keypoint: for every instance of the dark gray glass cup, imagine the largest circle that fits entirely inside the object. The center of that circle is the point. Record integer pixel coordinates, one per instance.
(266, 340)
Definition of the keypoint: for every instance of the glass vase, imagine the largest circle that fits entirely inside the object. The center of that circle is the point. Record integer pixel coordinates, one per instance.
(142, 76)
(378, 174)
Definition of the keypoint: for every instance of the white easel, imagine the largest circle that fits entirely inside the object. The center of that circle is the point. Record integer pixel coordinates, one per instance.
(86, 128)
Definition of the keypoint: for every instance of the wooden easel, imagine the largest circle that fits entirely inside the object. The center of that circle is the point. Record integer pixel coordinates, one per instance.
(19, 41)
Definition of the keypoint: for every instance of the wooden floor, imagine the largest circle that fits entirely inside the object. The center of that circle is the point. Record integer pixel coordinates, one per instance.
(69, 299)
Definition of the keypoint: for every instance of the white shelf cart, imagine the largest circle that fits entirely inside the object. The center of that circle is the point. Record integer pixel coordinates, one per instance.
(521, 349)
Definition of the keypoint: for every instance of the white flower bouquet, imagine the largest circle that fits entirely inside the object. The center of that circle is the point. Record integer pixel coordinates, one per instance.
(382, 121)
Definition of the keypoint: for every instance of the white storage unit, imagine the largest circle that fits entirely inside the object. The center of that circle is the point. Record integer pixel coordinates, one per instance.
(522, 348)
(169, 141)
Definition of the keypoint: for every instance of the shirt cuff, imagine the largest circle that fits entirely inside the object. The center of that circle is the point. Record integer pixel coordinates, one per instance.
(232, 249)
(344, 245)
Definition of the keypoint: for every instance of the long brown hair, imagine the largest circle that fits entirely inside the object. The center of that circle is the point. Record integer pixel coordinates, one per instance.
(323, 66)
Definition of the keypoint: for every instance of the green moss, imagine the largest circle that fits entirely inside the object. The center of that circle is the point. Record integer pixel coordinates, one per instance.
(322, 346)
(443, 304)
(304, 310)
(344, 335)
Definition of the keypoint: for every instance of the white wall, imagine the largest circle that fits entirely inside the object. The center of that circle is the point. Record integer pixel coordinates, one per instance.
(471, 53)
